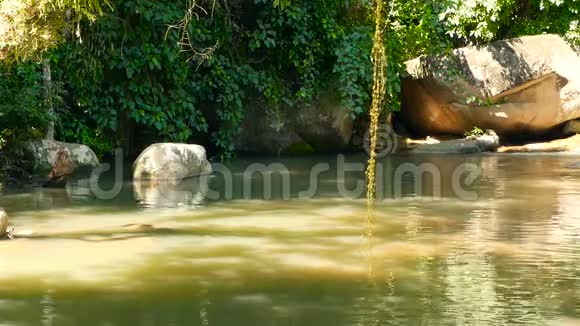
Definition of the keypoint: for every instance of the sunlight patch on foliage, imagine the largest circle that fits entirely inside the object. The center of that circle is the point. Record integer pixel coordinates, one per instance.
(28, 28)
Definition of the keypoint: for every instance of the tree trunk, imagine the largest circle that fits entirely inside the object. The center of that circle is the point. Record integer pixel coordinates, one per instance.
(47, 81)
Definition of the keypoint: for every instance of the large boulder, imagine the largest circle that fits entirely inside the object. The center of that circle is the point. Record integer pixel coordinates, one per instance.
(525, 85)
(171, 161)
(322, 126)
(55, 161)
(326, 125)
(266, 131)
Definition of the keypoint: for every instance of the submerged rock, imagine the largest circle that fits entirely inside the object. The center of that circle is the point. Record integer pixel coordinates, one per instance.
(171, 161)
(55, 161)
(523, 85)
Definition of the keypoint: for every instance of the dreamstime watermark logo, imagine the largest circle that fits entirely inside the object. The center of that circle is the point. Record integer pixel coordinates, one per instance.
(107, 194)
(387, 141)
(394, 180)
(257, 181)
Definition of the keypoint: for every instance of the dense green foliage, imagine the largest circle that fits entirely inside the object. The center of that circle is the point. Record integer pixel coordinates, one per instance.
(131, 68)
(146, 71)
(488, 20)
(22, 113)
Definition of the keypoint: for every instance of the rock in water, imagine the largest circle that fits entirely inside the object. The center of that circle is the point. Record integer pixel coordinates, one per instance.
(3, 222)
(5, 233)
(171, 161)
(55, 160)
(63, 166)
(523, 85)
(486, 143)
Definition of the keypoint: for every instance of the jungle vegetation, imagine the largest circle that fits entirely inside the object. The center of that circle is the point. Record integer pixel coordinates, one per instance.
(129, 73)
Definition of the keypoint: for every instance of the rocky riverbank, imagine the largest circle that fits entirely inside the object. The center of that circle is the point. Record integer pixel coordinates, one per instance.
(525, 92)
(525, 89)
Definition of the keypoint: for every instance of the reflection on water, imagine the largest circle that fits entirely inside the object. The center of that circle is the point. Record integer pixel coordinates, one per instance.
(187, 193)
(509, 257)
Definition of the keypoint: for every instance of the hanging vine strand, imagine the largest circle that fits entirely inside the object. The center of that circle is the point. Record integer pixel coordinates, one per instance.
(379, 61)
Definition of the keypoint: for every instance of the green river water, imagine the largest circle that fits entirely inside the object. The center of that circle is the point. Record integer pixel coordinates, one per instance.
(509, 254)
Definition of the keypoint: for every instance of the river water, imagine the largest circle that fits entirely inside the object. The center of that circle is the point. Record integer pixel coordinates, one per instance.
(481, 240)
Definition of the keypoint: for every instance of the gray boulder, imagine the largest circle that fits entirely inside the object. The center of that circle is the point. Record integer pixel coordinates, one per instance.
(171, 161)
(326, 125)
(470, 145)
(3, 222)
(523, 85)
(488, 142)
(57, 160)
